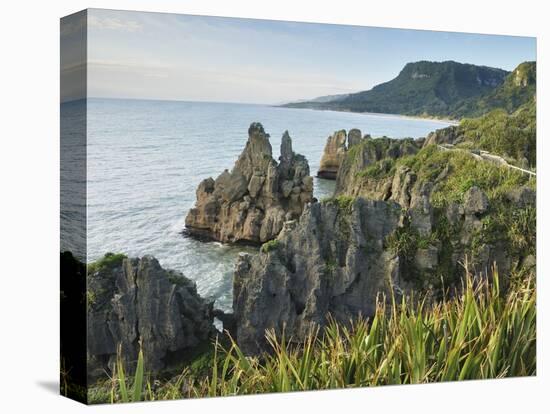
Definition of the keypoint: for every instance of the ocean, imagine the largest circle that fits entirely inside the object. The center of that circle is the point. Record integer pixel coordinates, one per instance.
(146, 159)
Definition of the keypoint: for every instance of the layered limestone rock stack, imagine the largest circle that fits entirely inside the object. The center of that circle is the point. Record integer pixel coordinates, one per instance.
(333, 261)
(133, 300)
(335, 151)
(252, 202)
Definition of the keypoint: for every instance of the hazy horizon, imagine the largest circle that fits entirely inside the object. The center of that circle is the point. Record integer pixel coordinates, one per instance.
(145, 55)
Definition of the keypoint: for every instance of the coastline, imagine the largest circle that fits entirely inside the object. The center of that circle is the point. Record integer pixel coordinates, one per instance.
(448, 121)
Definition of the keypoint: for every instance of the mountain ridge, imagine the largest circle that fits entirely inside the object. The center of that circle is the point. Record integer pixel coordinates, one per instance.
(440, 89)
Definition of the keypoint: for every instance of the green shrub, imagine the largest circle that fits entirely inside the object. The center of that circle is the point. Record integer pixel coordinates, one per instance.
(91, 297)
(176, 278)
(330, 265)
(462, 172)
(108, 261)
(403, 242)
(379, 169)
(269, 246)
(344, 202)
(510, 136)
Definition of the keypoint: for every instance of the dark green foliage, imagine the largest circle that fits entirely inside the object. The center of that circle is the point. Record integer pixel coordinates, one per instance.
(176, 278)
(108, 261)
(403, 242)
(421, 88)
(442, 89)
(101, 281)
(510, 136)
(522, 230)
(513, 227)
(380, 169)
(518, 89)
(330, 265)
(343, 202)
(447, 236)
(269, 246)
(201, 366)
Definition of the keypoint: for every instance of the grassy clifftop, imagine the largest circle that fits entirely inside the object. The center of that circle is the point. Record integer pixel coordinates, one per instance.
(511, 136)
(462, 204)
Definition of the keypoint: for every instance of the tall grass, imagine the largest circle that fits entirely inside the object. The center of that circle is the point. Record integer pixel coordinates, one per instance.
(121, 390)
(479, 333)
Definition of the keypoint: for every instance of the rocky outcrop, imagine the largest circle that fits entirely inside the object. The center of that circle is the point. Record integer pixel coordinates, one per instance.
(375, 171)
(345, 252)
(475, 201)
(251, 203)
(333, 261)
(333, 155)
(335, 151)
(450, 135)
(133, 300)
(353, 175)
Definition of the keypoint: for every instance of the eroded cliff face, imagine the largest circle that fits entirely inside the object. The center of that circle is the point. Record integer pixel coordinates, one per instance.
(136, 299)
(252, 202)
(333, 261)
(397, 220)
(335, 152)
(354, 168)
(448, 223)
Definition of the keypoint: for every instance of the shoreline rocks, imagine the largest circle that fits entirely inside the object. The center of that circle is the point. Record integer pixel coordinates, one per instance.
(250, 203)
(133, 300)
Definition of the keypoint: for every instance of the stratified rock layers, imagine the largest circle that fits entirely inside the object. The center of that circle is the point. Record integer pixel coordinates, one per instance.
(332, 262)
(137, 300)
(335, 151)
(252, 202)
(380, 230)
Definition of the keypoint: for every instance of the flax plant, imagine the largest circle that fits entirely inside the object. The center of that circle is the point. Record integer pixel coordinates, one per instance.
(478, 333)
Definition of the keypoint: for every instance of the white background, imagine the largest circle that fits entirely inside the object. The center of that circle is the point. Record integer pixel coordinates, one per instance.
(29, 203)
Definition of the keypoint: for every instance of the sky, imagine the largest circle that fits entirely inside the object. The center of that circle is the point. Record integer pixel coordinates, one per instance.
(198, 58)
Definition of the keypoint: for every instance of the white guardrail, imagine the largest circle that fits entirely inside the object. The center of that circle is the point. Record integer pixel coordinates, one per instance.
(484, 155)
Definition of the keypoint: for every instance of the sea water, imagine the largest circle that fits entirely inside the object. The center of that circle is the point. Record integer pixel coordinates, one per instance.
(146, 158)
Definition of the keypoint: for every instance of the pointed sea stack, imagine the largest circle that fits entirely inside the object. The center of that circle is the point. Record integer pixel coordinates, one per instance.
(251, 202)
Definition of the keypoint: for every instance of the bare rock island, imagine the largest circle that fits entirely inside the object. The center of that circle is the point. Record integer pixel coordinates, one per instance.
(252, 202)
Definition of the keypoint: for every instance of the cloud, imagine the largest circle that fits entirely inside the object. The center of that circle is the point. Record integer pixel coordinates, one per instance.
(114, 23)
